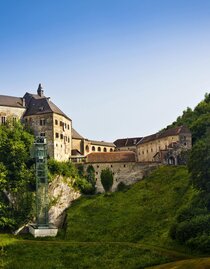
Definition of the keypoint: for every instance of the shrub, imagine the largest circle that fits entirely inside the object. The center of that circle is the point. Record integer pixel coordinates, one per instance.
(122, 186)
(90, 176)
(107, 179)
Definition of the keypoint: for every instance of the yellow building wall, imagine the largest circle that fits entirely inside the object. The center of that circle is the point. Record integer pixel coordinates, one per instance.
(146, 151)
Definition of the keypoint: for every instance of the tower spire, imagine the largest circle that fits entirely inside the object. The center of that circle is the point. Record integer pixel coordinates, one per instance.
(40, 91)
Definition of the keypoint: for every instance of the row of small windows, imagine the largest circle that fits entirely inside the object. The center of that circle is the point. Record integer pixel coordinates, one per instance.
(98, 149)
(62, 124)
(3, 120)
(42, 122)
(61, 136)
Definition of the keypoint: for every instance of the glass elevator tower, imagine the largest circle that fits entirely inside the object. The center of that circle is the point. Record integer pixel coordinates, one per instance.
(42, 204)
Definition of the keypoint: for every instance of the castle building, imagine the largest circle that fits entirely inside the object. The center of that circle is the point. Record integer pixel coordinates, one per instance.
(46, 119)
(65, 143)
(165, 147)
(83, 146)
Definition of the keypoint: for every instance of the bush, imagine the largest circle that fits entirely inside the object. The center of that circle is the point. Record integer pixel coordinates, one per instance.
(62, 168)
(122, 186)
(107, 179)
(82, 185)
(90, 176)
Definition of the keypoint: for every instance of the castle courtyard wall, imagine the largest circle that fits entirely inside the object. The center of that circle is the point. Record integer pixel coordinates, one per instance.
(126, 172)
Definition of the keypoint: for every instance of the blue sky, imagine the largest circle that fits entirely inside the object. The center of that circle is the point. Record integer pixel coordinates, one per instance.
(118, 68)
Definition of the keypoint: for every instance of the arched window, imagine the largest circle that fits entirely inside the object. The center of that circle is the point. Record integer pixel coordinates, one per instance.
(99, 148)
(93, 148)
(111, 150)
(105, 150)
(87, 148)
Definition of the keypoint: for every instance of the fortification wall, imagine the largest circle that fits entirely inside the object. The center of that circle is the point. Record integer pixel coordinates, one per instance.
(128, 173)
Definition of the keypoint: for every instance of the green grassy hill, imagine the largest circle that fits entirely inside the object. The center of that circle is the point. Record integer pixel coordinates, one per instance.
(127, 229)
(200, 263)
(143, 213)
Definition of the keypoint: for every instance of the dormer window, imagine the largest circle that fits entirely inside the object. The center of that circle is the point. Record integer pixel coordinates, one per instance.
(134, 141)
(41, 108)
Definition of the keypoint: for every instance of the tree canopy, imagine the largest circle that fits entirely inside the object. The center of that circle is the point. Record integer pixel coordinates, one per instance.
(16, 174)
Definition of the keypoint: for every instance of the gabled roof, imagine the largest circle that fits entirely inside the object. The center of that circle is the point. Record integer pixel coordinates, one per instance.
(127, 142)
(38, 105)
(170, 132)
(102, 143)
(11, 101)
(111, 157)
(76, 135)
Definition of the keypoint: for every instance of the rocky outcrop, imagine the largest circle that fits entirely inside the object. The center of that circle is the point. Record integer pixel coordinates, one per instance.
(61, 195)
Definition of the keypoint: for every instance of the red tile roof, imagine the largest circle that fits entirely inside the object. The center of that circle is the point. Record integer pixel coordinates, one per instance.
(111, 157)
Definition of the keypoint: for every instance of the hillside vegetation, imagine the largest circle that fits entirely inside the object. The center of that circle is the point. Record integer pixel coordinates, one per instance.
(197, 119)
(127, 229)
(142, 213)
(199, 263)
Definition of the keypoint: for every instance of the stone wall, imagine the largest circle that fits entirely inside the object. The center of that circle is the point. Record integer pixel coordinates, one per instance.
(146, 151)
(42, 126)
(78, 144)
(11, 113)
(61, 195)
(128, 173)
(62, 137)
(57, 130)
(90, 146)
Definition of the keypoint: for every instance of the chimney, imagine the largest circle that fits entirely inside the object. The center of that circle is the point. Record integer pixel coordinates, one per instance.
(40, 91)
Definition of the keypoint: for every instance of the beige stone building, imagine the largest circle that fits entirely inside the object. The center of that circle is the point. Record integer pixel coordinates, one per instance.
(43, 117)
(46, 119)
(81, 146)
(165, 146)
(65, 143)
(12, 108)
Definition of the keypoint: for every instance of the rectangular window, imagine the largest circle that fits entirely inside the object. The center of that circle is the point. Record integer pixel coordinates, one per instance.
(42, 122)
(42, 134)
(57, 135)
(14, 120)
(3, 120)
(61, 136)
(56, 122)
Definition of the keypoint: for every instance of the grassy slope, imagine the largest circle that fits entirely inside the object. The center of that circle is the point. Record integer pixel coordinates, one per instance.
(33, 254)
(200, 263)
(144, 213)
(122, 230)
